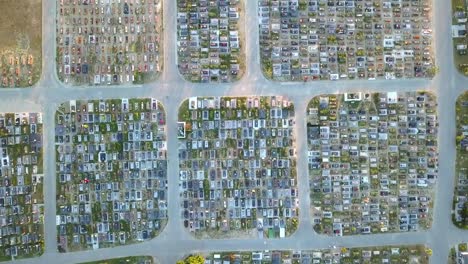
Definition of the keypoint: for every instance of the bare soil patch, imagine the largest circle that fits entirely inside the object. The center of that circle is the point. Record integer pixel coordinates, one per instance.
(20, 42)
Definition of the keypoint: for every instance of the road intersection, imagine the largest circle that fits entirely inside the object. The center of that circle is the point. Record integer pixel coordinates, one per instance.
(171, 90)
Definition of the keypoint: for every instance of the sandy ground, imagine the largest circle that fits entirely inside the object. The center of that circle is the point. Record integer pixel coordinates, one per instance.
(21, 31)
(21, 17)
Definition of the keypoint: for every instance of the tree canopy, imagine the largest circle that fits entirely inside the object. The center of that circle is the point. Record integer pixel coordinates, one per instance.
(194, 259)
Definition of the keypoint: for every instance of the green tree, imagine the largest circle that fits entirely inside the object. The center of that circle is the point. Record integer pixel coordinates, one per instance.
(138, 45)
(303, 5)
(267, 68)
(318, 228)
(206, 188)
(194, 259)
(462, 247)
(331, 40)
(432, 71)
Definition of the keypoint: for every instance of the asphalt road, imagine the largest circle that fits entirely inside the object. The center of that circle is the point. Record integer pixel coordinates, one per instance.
(171, 89)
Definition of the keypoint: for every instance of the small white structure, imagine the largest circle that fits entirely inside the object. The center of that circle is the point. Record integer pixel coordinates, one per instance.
(352, 97)
(461, 47)
(457, 29)
(392, 97)
(193, 103)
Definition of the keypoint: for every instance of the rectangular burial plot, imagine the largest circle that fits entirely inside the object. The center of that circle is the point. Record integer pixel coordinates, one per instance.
(21, 195)
(302, 40)
(111, 172)
(384, 254)
(373, 162)
(20, 43)
(109, 41)
(460, 203)
(237, 167)
(210, 40)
